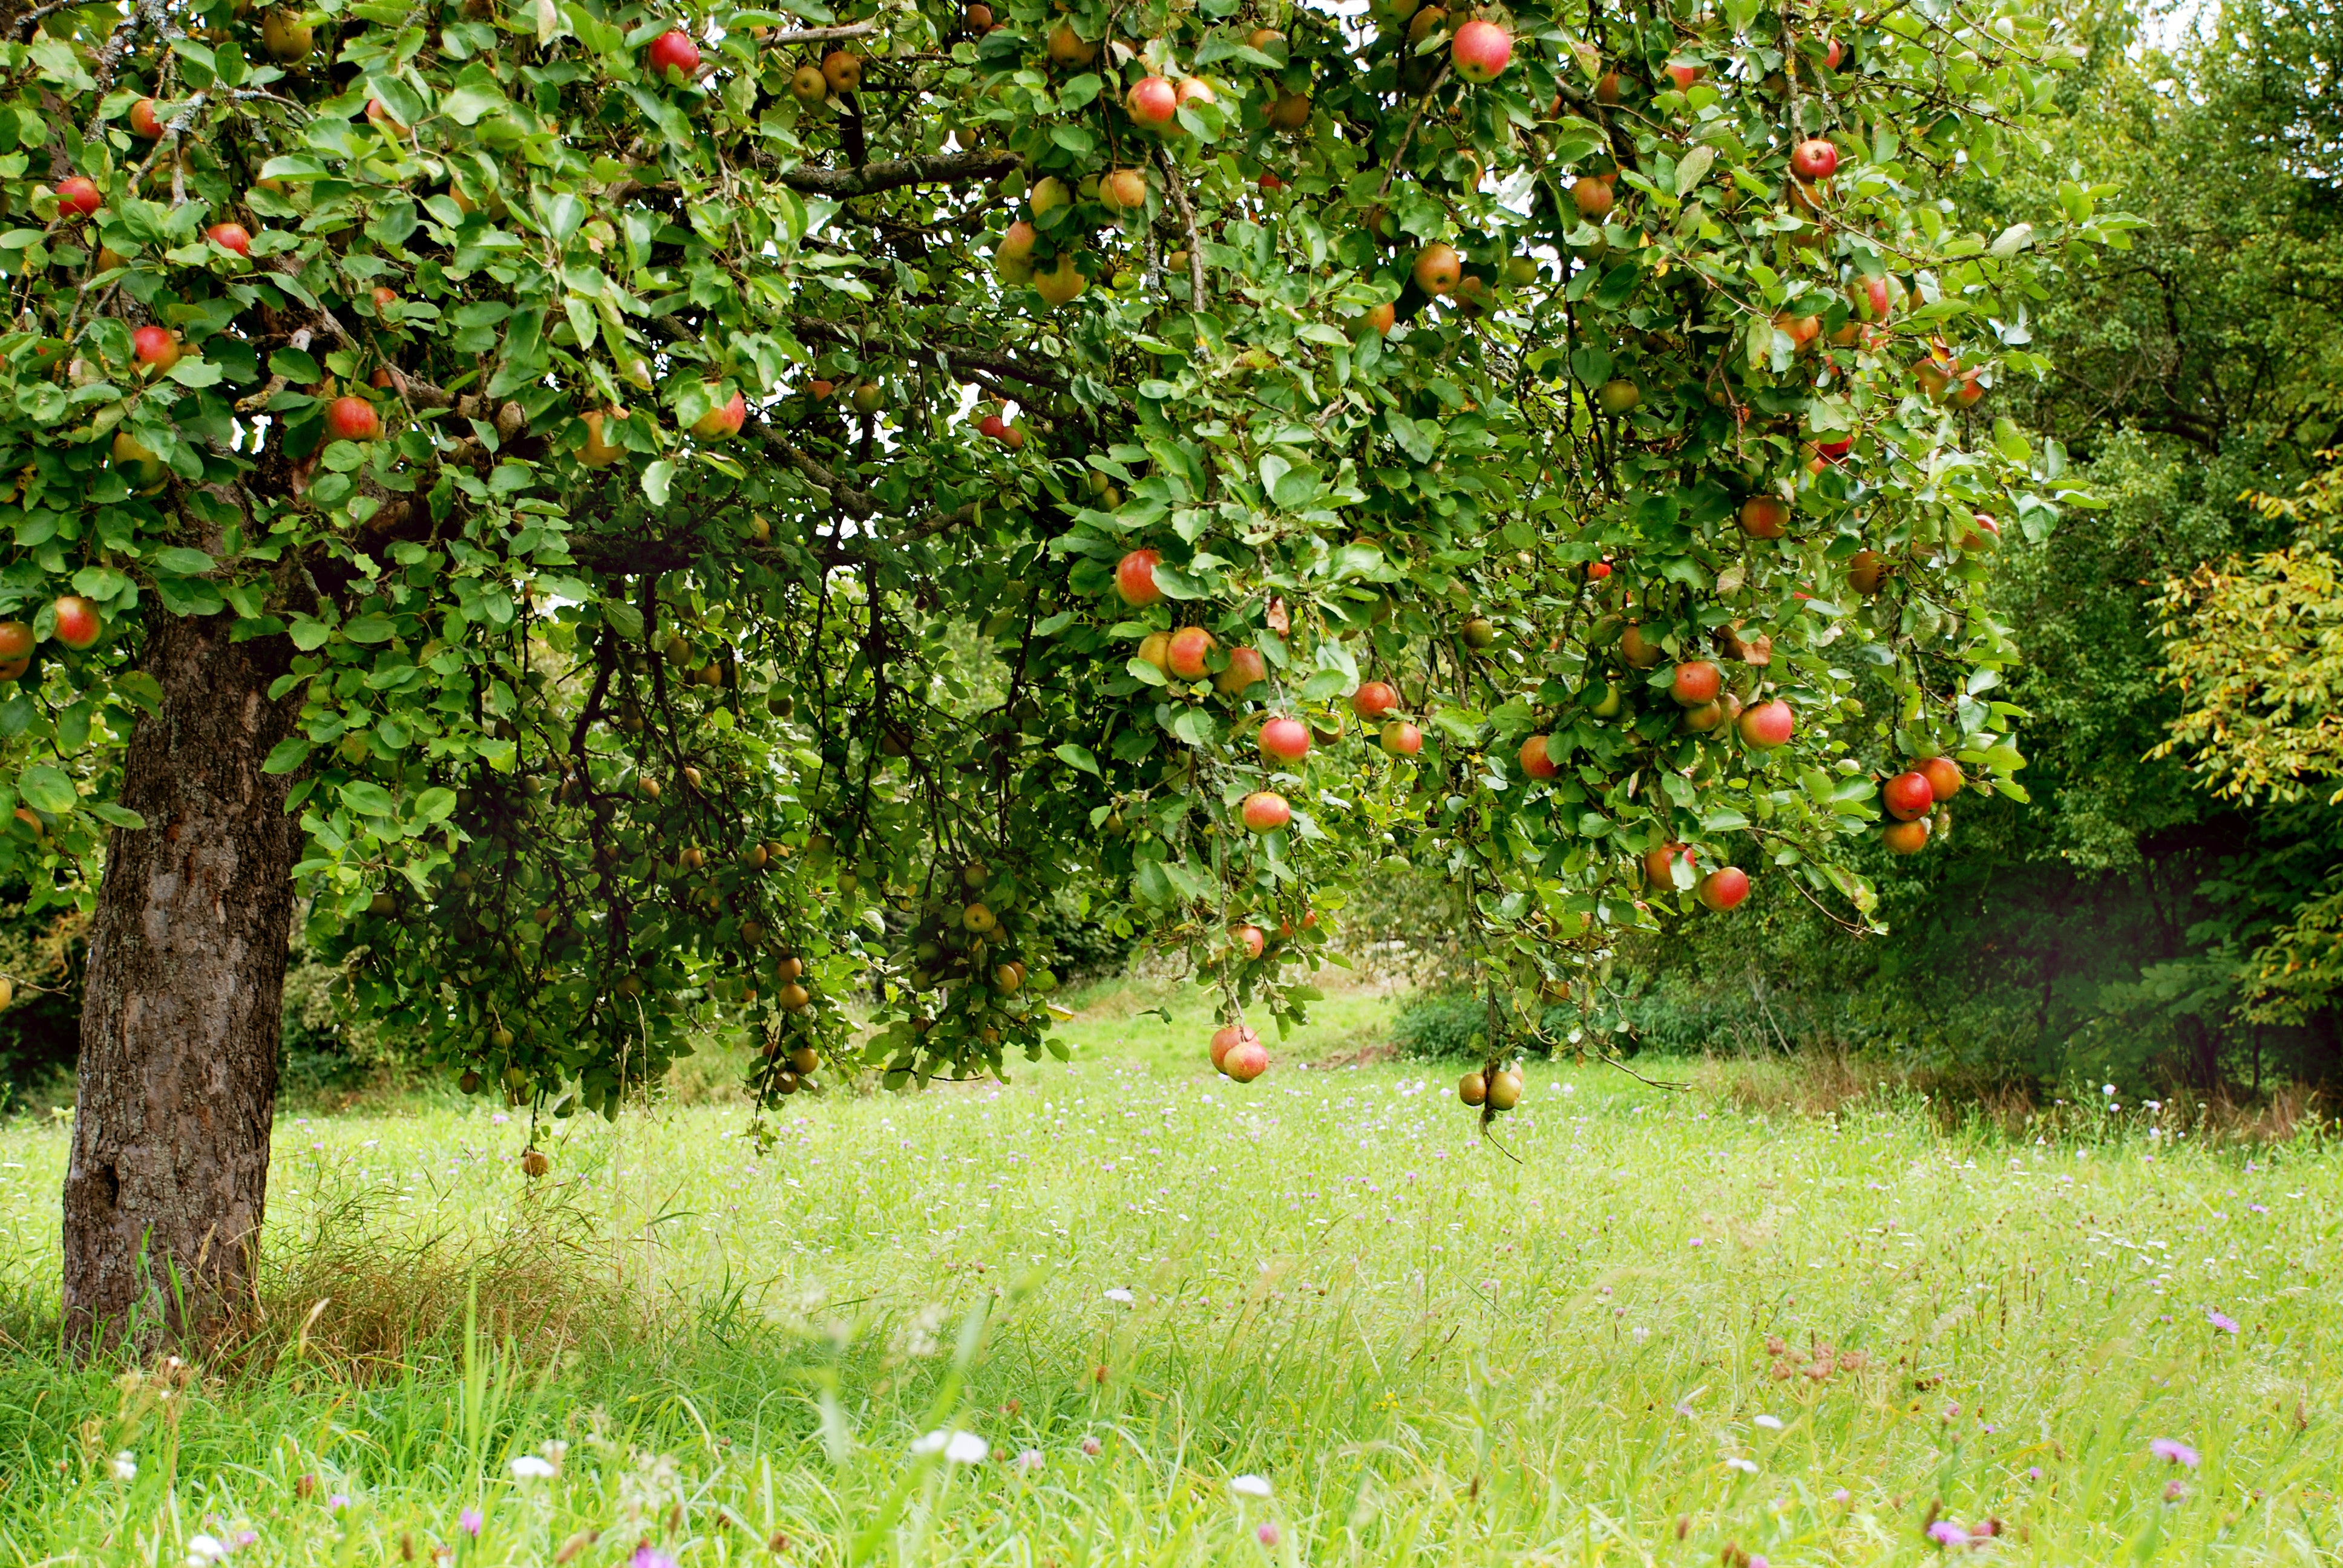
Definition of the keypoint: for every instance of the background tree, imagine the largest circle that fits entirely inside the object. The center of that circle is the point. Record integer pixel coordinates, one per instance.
(392, 519)
(2114, 933)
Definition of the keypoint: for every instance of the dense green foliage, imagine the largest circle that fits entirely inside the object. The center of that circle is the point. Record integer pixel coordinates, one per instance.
(625, 712)
(2116, 930)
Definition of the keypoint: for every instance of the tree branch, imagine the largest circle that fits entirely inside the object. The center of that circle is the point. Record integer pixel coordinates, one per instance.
(934, 168)
(976, 358)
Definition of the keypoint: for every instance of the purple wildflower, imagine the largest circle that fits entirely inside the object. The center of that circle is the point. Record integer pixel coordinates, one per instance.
(650, 1556)
(469, 1521)
(1841, 1497)
(1945, 1532)
(2173, 1490)
(1267, 1534)
(2174, 1451)
(2221, 1320)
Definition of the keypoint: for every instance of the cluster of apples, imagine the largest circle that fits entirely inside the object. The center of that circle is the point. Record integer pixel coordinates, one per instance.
(1238, 1052)
(1916, 800)
(1499, 1091)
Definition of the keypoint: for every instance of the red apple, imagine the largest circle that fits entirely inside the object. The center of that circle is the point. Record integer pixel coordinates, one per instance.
(1906, 838)
(994, 426)
(1832, 451)
(1874, 297)
(1832, 55)
(1683, 74)
(1944, 777)
(352, 419)
(672, 50)
(1597, 570)
(1253, 939)
(77, 196)
(1190, 648)
(232, 237)
(1373, 700)
(1286, 739)
(1246, 670)
(1537, 760)
(1134, 577)
(1816, 159)
(1801, 330)
(723, 423)
(1764, 517)
(1152, 102)
(1380, 318)
(1230, 1036)
(1638, 650)
(1908, 796)
(1481, 50)
(15, 640)
(78, 621)
(1768, 725)
(1983, 535)
(1124, 190)
(144, 121)
(842, 70)
(1439, 269)
(1270, 182)
(1697, 681)
(1265, 812)
(1592, 197)
(156, 347)
(1722, 889)
(379, 117)
(1245, 1060)
(1659, 865)
(1402, 739)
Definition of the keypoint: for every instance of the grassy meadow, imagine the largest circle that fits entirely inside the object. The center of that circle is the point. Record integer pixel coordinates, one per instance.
(1121, 1311)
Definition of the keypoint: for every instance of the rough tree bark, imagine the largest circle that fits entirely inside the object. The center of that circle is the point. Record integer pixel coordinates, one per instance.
(181, 1004)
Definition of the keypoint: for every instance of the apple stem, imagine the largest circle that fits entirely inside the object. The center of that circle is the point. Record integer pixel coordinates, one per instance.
(1408, 134)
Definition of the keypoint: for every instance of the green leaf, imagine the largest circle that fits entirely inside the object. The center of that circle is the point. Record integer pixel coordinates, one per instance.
(1074, 756)
(187, 563)
(368, 799)
(657, 476)
(374, 626)
(121, 817)
(2010, 441)
(294, 366)
(287, 755)
(435, 804)
(47, 788)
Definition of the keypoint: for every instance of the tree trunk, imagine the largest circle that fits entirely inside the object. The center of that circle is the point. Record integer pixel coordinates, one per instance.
(181, 1009)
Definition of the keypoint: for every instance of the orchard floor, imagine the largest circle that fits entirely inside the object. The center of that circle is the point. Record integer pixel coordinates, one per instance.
(1317, 1319)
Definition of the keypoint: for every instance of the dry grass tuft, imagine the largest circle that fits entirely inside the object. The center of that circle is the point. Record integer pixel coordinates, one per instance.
(363, 1291)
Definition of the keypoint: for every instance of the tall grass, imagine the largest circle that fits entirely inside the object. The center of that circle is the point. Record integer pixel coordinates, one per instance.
(1636, 1327)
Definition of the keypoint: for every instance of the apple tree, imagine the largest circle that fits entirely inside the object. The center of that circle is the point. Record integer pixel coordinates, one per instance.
(631, 520)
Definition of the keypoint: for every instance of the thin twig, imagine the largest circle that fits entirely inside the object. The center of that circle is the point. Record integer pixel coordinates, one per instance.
(1188, 219)
(1409, 135)
(1638, 1077)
